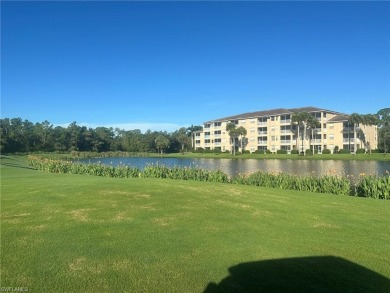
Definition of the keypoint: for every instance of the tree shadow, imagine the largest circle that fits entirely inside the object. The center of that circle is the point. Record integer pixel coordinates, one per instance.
(304, 274)
(12, 162)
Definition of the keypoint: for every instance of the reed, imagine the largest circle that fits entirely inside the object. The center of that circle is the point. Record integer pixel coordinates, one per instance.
(377, 187)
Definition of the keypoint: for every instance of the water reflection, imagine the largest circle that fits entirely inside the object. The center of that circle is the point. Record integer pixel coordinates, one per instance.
(234, 166)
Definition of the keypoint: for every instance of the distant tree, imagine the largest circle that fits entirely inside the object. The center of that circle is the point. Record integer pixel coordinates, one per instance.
(312, 124)
(368, 120)
(355, 119)
(233, 134)
(242, 132)
(384, 128)
(162, 143)
(300, 119)
(191, 132)
(182, 137)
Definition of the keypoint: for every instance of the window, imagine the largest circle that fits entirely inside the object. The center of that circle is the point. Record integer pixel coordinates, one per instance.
(242, 121)
(331, 126)
(273, 138)
(331, 136)
(217, 123)
(252, 121)
(273, 128)
(272, 118)
(252, 130)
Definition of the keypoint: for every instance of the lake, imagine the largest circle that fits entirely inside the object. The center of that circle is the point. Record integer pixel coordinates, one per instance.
(234, 166)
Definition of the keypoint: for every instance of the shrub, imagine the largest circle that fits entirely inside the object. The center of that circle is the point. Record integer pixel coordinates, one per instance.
(360, 151)
(268, 152)
(336, 150)
(294, 152)
(309, 152)
(281, 152)
(246, 152)
(326, 151)
(217, 151)
(258, 152)
(374, 186)
(344, 151)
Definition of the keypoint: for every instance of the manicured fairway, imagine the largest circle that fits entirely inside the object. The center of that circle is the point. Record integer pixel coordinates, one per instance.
(78, 233)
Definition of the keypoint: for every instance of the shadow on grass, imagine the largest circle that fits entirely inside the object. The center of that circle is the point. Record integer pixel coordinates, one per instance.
(12, 162)
(304, 274)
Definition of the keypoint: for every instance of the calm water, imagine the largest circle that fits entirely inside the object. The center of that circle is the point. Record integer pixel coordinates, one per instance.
(233, 166)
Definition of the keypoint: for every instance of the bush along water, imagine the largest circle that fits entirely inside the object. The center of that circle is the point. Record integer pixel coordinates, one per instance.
(366, 186)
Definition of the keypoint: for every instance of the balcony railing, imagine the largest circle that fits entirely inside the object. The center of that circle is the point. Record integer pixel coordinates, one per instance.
(285, 141)
(348, 140)
(262, 142)
(285, 131)
(262, 132)
(207, 137)
(316, 141)
(262, 123)
(286, 121)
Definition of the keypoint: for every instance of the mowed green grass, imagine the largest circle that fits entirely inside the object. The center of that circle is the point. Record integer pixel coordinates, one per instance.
(78, 233)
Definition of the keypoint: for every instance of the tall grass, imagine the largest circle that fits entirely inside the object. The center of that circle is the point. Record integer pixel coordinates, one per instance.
(367, 186)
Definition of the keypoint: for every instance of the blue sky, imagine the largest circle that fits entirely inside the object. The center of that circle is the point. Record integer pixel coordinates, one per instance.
(163, 65)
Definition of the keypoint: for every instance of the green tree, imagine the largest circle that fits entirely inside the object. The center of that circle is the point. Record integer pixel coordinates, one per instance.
(300, 120)
(355, 119)
(312, 124)
(44, 134)
(384, 128)
(191, 132)
(182, 137)
(162, 143)
(368, 120)
(241, 132)
(233, 134)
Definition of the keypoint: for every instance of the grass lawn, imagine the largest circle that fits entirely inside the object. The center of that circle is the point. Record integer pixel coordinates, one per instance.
(78, 233)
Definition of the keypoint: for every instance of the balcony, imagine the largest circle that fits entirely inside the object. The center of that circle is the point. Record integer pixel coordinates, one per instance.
(262, 142)
(262, 123)
(207, 137)
(285, 141)
(286, 121)
(313, 141)
(285, 131)
(262, 132)
(347, 140)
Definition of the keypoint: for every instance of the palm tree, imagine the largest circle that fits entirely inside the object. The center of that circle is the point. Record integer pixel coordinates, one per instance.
(299, 119)
(241, 131)
(312, 123)
(233, 133)
(368, 120)
(355, 119)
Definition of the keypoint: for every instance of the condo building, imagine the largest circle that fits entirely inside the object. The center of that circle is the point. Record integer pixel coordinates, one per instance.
(274, 130)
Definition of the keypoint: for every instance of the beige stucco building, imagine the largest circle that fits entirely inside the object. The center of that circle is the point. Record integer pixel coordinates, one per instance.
(274, 130)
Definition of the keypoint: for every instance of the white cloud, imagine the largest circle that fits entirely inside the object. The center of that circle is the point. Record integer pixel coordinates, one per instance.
(143, 126)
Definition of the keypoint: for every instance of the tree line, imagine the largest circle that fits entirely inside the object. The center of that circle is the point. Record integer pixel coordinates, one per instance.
(19, 135)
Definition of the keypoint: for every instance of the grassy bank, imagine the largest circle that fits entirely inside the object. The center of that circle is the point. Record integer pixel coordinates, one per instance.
(78, 233)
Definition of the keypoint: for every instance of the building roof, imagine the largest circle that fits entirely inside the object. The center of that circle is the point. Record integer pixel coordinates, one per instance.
(339, 118)
(274, 112)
